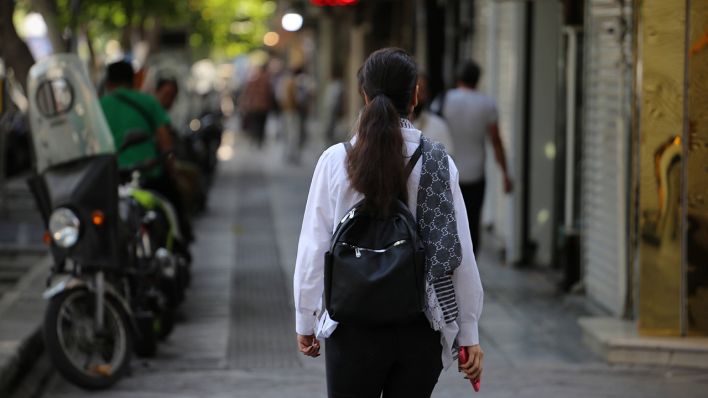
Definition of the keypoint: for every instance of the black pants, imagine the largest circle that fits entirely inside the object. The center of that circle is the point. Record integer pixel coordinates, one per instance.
(400, 361)
(256, 126)
(473, 193)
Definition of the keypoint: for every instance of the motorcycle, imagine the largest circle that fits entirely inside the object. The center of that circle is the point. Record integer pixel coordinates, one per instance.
(162, 233)
(208, 132)
(193, 183)
(106, 300)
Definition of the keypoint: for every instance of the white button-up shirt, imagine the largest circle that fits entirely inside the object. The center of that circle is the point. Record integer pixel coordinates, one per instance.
(330, 197)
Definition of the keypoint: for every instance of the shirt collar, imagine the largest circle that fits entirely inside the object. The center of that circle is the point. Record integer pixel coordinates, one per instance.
(410, 133)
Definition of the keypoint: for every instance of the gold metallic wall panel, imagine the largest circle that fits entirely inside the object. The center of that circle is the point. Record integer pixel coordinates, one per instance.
(697, 171)
(661, 46)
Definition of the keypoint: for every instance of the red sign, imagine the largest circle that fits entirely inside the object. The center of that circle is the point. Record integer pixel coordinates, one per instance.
(334, 2)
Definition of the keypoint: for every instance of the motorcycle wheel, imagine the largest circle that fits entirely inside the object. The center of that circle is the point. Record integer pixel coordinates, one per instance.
(83, 357)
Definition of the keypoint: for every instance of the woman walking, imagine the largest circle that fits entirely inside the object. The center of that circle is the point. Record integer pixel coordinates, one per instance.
(402, 358)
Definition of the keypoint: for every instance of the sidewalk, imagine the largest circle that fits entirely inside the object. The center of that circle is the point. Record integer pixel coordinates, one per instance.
(24, 267)
(21, 313)
(530, 334)
(237, 337)
(20, 223)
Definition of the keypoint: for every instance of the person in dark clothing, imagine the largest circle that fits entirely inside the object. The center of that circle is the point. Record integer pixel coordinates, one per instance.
(256, 102)
(166, 92)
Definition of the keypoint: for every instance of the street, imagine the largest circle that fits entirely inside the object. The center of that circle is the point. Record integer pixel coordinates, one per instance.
(579, 138)
(236, 335)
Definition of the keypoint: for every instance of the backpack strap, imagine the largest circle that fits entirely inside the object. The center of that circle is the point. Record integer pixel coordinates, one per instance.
(347, 146)
(414, 158)
(138, 108)
(411, 163)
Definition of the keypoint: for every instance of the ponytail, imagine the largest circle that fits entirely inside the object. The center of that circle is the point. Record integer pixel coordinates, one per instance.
(376, 163)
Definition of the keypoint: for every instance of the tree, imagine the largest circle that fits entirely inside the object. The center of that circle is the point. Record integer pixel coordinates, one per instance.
(221, 28)
(14, 50)
(225, 28)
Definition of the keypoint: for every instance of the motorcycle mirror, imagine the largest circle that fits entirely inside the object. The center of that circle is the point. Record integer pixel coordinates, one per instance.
(132, 138)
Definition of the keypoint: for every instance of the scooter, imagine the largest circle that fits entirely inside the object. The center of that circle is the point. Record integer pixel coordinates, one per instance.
(103, 299)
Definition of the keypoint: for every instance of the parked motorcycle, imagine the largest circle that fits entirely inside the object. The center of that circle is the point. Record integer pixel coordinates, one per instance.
(106, 299)
(163, 240)
(208, 132)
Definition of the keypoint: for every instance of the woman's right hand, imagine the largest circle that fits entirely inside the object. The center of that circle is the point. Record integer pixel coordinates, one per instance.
(508, 185)
(473, 367)
(308, 345)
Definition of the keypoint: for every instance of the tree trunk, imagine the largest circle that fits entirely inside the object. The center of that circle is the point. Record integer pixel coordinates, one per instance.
(127, 37)
(152, 36)
(93, 64)
(14, 50)
(49, 11)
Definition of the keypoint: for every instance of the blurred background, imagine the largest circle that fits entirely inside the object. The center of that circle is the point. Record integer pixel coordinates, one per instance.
(601, 110)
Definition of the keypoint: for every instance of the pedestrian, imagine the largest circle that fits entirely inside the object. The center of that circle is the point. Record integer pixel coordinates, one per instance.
(399, 359)
(303, 98)
(334, 107)
(257, 99)
(423, 119)
(473, 118)
(294, 102)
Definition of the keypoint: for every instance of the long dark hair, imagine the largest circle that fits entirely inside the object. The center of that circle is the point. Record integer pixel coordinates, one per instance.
(376, 163)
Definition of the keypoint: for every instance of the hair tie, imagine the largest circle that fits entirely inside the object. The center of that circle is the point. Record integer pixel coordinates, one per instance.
(376, 94)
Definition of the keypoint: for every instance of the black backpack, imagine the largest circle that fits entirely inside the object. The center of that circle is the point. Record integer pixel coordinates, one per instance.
(375, 268)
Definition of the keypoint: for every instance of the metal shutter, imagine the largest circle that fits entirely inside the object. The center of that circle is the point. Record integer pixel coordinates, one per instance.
(607, 111)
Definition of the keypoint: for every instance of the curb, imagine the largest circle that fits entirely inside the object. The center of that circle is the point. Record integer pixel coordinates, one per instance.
(21, 364)
(21, 342)
(22, 249)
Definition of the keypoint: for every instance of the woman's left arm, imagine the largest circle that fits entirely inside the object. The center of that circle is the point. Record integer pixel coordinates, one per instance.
(468, 286)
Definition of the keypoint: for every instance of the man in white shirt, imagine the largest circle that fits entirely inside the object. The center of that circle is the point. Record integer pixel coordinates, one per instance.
(472, 118)
(432, 125)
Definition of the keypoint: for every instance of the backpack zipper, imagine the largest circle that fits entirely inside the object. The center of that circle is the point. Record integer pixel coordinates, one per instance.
(358, 250)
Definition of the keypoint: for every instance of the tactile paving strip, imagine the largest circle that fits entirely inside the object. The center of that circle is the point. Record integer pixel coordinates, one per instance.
(262, 320)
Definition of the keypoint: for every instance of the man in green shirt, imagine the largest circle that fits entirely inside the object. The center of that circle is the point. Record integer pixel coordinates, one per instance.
(129, 110)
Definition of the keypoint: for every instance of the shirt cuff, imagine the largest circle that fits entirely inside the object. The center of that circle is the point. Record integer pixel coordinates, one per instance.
(305, 322)
(468, 335)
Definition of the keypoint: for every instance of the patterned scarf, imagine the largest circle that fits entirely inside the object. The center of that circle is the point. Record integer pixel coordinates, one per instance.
(437, 227)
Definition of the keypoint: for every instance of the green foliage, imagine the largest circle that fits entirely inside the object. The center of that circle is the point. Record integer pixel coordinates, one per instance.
(221, 28)
(226, 28)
